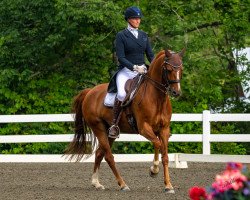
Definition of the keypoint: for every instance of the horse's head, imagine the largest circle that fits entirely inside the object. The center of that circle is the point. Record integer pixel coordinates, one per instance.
(172, 71)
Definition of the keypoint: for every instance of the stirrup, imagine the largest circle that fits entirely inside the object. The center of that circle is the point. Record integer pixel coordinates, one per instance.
(114, 131)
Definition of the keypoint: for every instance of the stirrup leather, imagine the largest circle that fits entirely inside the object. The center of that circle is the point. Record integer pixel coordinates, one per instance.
(114, 131)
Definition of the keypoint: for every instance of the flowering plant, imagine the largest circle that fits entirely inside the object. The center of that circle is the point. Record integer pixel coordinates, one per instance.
(233, 183)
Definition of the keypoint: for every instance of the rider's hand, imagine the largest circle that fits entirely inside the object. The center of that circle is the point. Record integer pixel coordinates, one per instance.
(141, 69)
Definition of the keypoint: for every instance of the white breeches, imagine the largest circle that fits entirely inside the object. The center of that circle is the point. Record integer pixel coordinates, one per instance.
(121, 78)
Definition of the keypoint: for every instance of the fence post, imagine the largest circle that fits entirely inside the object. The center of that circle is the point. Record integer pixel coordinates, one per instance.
(206, 132)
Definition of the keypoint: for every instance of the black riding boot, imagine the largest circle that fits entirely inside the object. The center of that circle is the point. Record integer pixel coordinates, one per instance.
(114, 130)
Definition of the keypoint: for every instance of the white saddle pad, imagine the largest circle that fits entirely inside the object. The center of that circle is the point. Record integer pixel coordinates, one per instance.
(109, 99)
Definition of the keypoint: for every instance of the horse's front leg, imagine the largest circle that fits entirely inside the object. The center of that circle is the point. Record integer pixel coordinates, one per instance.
(147, 131)
(164, 136)
(154, 170)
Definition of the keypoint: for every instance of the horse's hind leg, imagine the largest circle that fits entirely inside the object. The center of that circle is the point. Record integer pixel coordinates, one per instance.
(99, 154)
(154, 170)
(102, 137)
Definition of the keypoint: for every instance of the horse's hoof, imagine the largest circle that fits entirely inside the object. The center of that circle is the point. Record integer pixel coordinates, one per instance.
(153, 175)
(169, 190)
(101, 187)
(98, 186)
(125, 188)
(153, 172)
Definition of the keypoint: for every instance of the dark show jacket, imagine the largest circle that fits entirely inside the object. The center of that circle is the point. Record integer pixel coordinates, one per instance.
(130, 51)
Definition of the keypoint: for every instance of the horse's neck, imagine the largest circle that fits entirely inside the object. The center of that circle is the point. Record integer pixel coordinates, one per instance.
(153, 100)
(154, 88)
(155, 70)
(154, 94)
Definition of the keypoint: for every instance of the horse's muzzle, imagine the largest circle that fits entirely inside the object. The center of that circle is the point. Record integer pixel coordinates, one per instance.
(175, 93)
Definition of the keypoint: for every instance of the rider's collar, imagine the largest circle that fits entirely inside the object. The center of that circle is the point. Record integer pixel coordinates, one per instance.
(130, 28)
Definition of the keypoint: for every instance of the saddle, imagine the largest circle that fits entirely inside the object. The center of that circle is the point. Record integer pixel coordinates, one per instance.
(131, 88)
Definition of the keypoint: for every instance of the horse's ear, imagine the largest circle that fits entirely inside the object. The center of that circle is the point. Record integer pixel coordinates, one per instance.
(182, 52)
(168, 53)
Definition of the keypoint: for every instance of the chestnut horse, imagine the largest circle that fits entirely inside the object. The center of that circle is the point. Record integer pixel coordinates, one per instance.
(150, 107)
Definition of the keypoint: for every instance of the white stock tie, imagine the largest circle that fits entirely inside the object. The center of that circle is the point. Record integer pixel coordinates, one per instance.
(135, 32)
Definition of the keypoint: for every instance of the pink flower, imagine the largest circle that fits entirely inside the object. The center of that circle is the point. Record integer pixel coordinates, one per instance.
(234, 181)
(197, 193)
(230, 179)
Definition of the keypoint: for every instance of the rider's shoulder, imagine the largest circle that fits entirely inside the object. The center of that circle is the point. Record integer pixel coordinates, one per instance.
(122, 32)
(143, 32)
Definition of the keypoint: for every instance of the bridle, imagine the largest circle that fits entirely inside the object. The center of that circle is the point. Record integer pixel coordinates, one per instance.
(166, 71)
(165, 86)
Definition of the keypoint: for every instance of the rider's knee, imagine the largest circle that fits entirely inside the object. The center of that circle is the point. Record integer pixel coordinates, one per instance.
(121, 96)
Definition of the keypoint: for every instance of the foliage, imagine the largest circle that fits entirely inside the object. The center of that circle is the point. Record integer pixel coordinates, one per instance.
(51, 50)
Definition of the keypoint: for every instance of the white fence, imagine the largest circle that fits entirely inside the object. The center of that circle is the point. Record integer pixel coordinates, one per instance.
(206, 138)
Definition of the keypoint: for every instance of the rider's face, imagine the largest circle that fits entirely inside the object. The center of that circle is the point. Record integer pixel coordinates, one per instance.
(134, 22)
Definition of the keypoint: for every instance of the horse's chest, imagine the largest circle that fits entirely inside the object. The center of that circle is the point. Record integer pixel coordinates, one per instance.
(160, 122)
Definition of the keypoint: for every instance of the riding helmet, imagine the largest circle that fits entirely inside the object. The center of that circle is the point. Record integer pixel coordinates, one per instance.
(132, 12)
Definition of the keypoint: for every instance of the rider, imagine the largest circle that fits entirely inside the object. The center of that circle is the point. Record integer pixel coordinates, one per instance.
(131, 45)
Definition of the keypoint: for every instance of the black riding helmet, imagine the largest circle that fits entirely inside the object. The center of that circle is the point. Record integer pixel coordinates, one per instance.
(132, 12)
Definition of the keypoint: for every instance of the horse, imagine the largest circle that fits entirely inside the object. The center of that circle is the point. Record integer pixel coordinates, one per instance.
(151, 108)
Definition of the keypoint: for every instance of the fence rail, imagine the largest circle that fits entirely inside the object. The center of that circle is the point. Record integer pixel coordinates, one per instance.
(206, 137)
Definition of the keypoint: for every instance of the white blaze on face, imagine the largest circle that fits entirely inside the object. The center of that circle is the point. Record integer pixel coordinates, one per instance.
(178, 78)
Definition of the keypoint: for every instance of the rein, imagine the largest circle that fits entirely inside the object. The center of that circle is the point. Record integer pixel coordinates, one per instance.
(162, 87)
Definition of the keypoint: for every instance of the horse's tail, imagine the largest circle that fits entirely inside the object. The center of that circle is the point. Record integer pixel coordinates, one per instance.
(84, 141)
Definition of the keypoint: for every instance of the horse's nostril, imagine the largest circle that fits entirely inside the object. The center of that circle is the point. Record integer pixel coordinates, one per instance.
(175, 93)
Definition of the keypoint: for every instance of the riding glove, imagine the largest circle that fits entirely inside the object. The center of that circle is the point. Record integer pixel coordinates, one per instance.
(141, 69)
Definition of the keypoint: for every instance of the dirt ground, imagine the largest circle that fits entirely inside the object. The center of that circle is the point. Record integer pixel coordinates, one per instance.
(30, 181)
